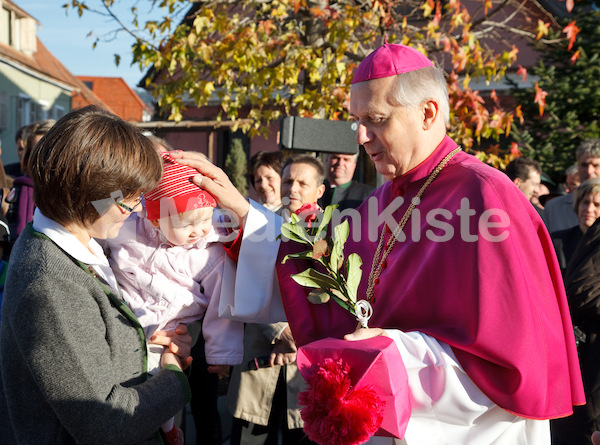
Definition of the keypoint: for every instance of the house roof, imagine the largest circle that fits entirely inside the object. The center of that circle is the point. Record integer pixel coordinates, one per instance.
(42, 63)
(119, 96)
(14, 7)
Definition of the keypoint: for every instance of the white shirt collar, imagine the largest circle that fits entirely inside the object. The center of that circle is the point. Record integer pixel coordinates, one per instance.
(70, 244)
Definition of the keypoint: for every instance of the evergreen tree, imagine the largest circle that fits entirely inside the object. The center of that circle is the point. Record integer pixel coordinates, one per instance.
(236, 166)
(573, 101)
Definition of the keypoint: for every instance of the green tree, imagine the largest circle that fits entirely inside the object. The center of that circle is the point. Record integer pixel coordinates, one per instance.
(572, 104)
(263, 59)
(236, 166)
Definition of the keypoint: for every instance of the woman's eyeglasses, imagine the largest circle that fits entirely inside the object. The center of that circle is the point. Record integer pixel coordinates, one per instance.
(130, 209)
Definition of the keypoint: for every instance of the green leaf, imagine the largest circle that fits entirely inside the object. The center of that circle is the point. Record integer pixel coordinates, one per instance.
(341, 233)
(335, 293)
(353, 264)
(318, 296)
(325, 218)
(341, 300)
(315, 279)
(295, 233)
(308, 254)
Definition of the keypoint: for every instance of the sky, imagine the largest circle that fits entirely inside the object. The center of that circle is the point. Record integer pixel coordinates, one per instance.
(66, 37)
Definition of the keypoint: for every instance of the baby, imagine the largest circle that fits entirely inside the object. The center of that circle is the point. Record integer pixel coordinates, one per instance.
(169, 266)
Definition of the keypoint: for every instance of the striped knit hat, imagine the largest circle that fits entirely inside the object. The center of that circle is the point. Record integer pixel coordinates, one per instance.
(176, 193)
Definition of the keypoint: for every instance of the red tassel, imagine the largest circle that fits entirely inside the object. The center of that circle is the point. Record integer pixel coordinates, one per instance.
(334, 413)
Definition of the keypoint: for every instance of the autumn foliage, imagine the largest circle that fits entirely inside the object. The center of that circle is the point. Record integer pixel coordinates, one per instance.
(266, 59)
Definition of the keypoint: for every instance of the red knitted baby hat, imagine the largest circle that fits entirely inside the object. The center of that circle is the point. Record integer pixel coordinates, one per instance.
(176, 191)
(389, 60)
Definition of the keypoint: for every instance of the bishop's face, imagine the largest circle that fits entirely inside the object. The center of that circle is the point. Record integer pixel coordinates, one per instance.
(389, 133)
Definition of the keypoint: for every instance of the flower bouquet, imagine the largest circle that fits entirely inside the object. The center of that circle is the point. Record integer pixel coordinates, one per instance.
(355, 389)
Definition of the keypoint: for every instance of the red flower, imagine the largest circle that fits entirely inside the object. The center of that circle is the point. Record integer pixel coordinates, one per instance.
(309, 213)
(334, 412)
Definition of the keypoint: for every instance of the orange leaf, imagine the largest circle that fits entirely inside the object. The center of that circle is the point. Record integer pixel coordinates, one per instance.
(438, 17)
(519, 114)
(522, 71)
(540, 98)
(320, 249)
(575, 56)
(571, 30)
(297, 5)
(514, 149)
(488, 6)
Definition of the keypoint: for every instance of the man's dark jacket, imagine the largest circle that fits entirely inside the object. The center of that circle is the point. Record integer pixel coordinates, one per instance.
(347, 196)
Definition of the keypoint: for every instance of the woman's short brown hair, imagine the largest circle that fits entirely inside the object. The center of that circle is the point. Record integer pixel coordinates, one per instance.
(272, 159)
(89, 155)
(589, 187)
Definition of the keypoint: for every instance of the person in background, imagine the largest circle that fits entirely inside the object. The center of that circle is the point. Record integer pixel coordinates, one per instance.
(477, 370)
(582, 283)
(587, 207)
(263, 390)
(20, 198)
(14, 169)
(537, 199)
(72, 354)
(572, 179)
(559, 211)
(264, 171)
(6, 183)
(340, 188)
(4, 229)
(526, 174)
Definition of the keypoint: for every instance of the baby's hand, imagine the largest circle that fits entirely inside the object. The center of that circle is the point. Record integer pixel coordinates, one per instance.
(222, 370)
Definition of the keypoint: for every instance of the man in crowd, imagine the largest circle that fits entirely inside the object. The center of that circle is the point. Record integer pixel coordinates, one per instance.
(526, 174)
(301, 182)
(572, 179)
(559, 213)
(340, 188)
(14, 169)
(257, 397)
(488, 347)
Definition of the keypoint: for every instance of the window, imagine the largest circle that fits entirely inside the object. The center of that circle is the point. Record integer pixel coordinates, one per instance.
(57, 112)
(25, 110)
(4, 26)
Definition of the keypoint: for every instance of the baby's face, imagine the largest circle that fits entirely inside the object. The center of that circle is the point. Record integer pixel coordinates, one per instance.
(187, 227)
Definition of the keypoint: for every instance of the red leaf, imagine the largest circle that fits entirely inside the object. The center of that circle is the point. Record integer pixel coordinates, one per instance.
(571, 30)
(522, 71)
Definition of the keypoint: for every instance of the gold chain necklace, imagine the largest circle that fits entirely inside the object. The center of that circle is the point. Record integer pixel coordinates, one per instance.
(377, 265)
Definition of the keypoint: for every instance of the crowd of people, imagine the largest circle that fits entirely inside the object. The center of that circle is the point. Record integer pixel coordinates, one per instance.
(570, 210)
(113, 249)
